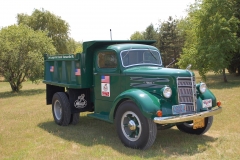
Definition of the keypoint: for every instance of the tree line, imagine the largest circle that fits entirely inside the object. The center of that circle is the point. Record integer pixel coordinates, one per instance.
(208, 38)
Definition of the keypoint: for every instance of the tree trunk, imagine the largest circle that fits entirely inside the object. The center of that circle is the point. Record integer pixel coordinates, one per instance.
(238, 71)
(224, 76)
(15, 88)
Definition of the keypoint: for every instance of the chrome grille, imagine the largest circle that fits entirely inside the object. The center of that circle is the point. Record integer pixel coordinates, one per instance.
(187, 93)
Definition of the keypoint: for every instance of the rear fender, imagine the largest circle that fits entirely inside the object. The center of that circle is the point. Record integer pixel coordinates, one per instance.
(146, 102)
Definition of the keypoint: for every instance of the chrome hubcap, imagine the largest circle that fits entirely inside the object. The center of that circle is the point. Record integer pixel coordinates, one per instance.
(131, 126)
(57, 110)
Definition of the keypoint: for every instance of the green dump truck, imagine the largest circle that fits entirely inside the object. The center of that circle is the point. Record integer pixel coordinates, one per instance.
(125, 83)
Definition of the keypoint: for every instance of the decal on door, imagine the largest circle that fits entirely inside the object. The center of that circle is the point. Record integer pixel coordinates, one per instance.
(105, 86)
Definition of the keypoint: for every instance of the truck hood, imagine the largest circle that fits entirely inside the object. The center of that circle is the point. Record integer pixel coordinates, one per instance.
(157, 71)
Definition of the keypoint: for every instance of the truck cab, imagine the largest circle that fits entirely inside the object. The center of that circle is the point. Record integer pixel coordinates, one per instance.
(125, 83)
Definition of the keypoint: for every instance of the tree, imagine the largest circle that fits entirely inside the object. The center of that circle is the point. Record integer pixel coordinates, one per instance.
(137, 36)
(170, 41)
(150, 33)
(234, 66)
(73, 46)
(188, 27)
(56, 28)
(21, 54)
(79, 47)
(216, 38)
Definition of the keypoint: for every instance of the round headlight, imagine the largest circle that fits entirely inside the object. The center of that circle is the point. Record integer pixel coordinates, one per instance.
(202, 87)
(167, 92)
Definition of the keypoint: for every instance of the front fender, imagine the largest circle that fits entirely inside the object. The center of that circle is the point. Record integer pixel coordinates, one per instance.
(146, 102)
(207, 95)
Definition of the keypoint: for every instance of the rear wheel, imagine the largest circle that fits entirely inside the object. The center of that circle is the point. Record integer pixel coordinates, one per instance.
(74, 118)
(134, 130)
(188, 127)
(61, 109)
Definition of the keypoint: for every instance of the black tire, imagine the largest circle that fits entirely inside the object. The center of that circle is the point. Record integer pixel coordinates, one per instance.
(61, 109)
(134, 130)
(74, 118)
(164, 127)
(188, 127)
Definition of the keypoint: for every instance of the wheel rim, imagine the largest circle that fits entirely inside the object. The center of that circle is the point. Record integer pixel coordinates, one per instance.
(57, 110)
(131, 126)
(189, 125)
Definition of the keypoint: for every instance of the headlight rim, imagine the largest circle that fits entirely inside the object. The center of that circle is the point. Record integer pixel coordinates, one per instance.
(164, 94)
(201, 89)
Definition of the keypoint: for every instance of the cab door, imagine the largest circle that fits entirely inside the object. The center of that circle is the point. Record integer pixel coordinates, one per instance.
(106, 80)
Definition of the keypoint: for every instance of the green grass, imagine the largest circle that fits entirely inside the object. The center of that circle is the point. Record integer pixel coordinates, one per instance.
(27, 130)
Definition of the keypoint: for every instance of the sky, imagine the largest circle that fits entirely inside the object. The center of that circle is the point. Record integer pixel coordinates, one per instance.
(93, 19)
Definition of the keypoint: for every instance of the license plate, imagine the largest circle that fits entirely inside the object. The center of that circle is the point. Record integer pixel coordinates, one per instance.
(179, 109)
(198, 123)
(207, 103)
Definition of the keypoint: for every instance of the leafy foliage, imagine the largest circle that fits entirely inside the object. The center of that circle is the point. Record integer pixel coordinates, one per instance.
(56, 28)
(188, 26)
(73, 46)
(214, 33)
(234, 66)
(171, 41)
(137, 36)
(21, 54)
(150, 33)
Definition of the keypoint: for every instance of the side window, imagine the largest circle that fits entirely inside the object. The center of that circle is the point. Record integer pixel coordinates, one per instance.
(107, 59)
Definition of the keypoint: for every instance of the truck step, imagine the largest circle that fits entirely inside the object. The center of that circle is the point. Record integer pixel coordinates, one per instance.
(104, 117)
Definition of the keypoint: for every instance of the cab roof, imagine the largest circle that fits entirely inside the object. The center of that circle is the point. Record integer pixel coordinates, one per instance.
(92, 44)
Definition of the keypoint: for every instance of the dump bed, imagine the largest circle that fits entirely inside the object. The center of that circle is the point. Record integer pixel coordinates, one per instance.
(63, 70)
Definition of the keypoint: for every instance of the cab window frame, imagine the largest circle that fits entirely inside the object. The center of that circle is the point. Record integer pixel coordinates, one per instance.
(101, 66)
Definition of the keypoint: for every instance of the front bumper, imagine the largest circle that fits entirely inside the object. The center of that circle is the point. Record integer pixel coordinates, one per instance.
(187, 117)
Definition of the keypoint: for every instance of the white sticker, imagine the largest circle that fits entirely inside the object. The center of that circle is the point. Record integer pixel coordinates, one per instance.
(105, 88)
(207, 103)
(80, 102)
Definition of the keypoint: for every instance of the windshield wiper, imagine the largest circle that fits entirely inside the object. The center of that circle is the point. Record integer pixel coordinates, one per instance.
(127, 52)
(152, 53)
(173, 60)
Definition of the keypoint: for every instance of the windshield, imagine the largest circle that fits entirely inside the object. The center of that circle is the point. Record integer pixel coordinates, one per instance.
(140, 57)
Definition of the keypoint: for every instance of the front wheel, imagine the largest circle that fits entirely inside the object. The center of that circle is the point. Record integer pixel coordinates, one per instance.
(134, 130)
(188, 127)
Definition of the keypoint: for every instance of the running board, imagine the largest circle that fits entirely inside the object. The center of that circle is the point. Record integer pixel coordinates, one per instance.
(104, 117)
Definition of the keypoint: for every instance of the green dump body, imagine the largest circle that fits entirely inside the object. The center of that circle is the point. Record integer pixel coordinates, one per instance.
(63, 70)
(76, 71)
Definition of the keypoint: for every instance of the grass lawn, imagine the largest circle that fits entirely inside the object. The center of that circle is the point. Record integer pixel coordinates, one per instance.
(27, 130)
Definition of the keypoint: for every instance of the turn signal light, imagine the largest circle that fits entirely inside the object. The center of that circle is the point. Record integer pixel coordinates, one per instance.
(159, 113)
(219, 103)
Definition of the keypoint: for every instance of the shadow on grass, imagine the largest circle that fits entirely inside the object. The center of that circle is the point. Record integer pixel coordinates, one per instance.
(29, 92)
(90, 132)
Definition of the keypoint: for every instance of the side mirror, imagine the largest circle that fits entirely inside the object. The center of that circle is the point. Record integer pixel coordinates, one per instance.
(188, 67)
